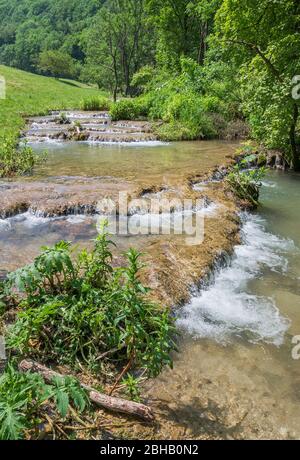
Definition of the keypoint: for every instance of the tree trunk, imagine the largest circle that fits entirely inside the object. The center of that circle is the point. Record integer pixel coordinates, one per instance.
(202, 45)
(293, 140)
(115, 94)
(100, 399)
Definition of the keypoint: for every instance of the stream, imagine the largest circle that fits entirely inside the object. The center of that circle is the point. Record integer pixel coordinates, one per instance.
(234, 376)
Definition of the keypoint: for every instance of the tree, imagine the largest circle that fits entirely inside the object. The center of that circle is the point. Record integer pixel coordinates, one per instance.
(204, 11)
(119, 43)
(262, 38)
(28, 27)
(182, 28)
(57, 64)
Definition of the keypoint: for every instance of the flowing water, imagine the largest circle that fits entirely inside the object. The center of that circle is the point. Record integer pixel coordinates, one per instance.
(137, 161)
(87, 171)
(234, 376)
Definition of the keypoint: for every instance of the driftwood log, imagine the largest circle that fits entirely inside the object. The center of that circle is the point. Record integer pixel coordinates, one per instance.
(101, 400)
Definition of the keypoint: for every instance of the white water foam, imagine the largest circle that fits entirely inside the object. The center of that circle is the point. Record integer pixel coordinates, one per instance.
(269, 184)
(4, 225)
(225, 309)
(77, 218)
(170, 221)
(31, 220)
(201, 187)
(126, 144)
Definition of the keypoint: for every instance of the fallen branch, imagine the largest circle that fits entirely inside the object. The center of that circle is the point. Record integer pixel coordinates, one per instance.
(101, 400)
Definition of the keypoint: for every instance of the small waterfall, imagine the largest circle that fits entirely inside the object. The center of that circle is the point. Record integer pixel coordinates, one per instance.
(225, 308)
(88, 127)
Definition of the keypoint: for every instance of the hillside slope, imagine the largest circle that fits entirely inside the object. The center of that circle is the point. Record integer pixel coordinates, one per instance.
(29, 94)
(28, 27)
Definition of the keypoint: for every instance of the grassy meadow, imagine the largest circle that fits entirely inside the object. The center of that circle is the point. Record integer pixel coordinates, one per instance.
(28, 94)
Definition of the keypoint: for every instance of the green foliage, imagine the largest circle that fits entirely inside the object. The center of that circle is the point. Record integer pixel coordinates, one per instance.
(187, 101)
(57, 64)
(129, 109)
(66, 391)
(118, 42)
(22, 396)
(14, 159)
(132, 387)
(182, 29)
(143, 77)
(95, 103)
(30, 27)
(80, 308)
(261, 40)
(3, 299)
(246, 183)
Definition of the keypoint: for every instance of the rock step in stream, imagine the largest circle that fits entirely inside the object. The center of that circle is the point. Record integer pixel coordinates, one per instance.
(86, 126)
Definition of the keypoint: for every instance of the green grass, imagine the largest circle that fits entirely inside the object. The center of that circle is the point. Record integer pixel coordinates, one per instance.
(95, 103)
(28, 94)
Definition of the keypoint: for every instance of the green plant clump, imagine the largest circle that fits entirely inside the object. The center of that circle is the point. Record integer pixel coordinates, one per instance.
(129, 109)
(14, 159)
(246, 183)
(23, 396)
(95, 103)
(81, 309)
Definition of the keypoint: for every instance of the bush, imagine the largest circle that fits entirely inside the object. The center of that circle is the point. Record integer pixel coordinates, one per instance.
(82, 309)
(176, 131)
(187, 109)
(246, 183)
(57, 64)
(143, 78)
(193, 102)
(129, 109)
(95, 103)
(15, 160)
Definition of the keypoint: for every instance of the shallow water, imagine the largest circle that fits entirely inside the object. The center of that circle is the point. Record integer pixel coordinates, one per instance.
(235, 375)
(77, 168)
(139, 162)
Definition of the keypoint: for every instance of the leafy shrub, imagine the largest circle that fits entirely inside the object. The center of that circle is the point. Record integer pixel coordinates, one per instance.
(15, 160)
(57, 64)
(129, 109)
(81, 308)
(143, 77)
(193, 102)
(95, 103)
(23, 395)
(187, 109)
(246, 183)
(176, 131)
